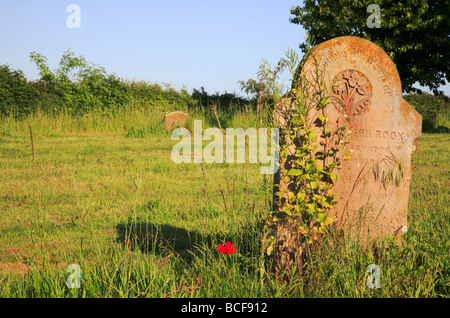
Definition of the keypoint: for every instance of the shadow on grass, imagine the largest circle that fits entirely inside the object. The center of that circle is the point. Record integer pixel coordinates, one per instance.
(428, 126)
(161, 239)
(164, 239)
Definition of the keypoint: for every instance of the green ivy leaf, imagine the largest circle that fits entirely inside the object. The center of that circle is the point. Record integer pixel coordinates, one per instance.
(326, 205)
(295, 172)
(312, 207)
(321, 216)
(301, 196)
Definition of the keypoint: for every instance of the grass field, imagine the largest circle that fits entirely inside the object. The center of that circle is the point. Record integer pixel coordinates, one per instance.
(103, 193)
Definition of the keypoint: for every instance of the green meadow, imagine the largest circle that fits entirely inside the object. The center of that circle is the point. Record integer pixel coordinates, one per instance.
(100, 190)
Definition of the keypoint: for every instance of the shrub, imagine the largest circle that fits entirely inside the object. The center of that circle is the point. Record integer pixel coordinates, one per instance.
(225, 102)
(17, 96)
(435, 110)
(428, 105)
(82, 86)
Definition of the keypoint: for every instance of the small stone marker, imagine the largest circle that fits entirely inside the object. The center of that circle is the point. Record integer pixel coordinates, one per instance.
(366, 95)
(174, 119)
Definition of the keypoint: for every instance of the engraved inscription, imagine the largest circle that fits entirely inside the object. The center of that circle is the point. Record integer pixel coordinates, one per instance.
(379, 134)
(358, 54)
(387, 90)
(372, 148)
(351, 92)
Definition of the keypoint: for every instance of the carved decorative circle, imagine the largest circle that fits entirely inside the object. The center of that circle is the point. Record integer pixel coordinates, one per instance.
(351, 92)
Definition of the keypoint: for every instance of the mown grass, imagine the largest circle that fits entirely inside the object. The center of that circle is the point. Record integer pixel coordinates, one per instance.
(103, 193)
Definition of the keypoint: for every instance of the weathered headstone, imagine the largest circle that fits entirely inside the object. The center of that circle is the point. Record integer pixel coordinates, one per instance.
(365, 94)
(174, 119)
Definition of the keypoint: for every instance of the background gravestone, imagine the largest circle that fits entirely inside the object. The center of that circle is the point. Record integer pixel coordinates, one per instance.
(365, 94)
(174, 119)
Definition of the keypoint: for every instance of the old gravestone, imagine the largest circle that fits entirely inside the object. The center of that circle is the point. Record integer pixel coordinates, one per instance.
(174, 119)
(365, 94)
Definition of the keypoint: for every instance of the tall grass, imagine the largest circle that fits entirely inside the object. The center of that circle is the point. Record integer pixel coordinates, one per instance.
(104, 194)
(96, 120)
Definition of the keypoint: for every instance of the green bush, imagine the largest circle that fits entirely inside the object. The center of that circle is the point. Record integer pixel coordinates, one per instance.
(79, 87)
(428, 105)
(435, 110)
(153, 94)
(225, 102)
(17, 96)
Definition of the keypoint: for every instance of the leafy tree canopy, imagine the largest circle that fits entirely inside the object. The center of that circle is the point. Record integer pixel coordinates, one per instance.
(415, 33)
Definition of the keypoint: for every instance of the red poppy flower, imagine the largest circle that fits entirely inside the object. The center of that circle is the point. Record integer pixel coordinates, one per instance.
(227, 249)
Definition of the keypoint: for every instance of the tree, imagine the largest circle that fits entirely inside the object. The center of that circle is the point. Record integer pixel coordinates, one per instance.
(415, 33)
(266, 90)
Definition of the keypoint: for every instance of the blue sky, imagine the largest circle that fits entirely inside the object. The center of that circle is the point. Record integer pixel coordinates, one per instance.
(184, 43)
